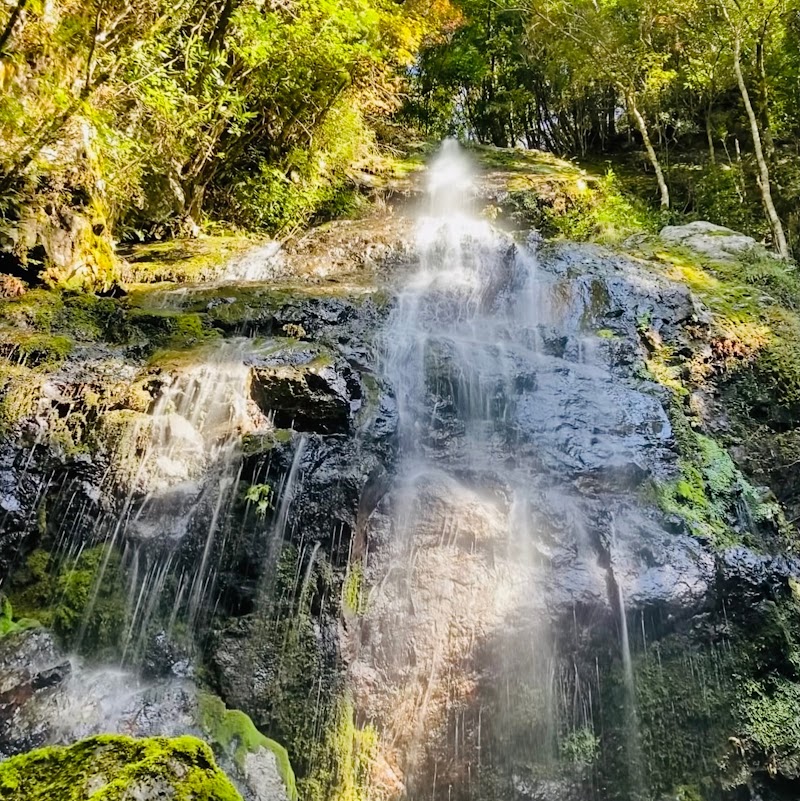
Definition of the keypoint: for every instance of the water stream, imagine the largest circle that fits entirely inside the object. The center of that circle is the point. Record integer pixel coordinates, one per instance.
(457, 658)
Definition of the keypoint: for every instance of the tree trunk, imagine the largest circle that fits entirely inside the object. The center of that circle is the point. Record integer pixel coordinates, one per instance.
(763, 170)
(12, 21)
(651, 152)
(712, 153)
(763, 102)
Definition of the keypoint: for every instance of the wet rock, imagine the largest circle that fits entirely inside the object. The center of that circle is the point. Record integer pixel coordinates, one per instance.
(749, 577)
(32, 671)
(305, 388)
(163, 657)
(533, 789)
(62, 247)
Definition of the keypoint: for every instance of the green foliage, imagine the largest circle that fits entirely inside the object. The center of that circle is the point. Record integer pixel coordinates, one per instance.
(145, 118)
(237, 735)
(600, 213)
(718, 194)
(684, 731)
(114, 768)
(311, 181)
(7, 623)
(261, 496)
(82, 599)
(580, 746)
(771, 719)
(563, 201)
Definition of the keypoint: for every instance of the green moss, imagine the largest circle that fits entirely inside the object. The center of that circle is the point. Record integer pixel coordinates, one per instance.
(709, 493)
(715, 499)
(770, 714)
(35, 348)
(237, 736)
(755, 337)
(253, 444)
(169, 330)
(116, 768)
(685, 694)
(38, 309)
(354, 600)
(81, 316)
(20, 392)
(304, 704)
(82, 599)
(7, 623)
(182, 260)
(343, 770)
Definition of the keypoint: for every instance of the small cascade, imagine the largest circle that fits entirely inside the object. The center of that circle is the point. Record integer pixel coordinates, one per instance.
(177, 474)
(180, 477)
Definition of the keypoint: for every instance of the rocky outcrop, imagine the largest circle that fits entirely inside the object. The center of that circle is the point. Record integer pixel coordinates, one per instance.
(63, 247)
(303, 388)
(48, 699)
(711, 241)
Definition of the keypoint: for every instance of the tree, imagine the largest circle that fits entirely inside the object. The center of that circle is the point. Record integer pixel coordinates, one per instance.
(742, 18)
(622, 41)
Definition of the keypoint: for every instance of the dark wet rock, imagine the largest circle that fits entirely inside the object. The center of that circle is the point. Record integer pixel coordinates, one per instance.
(541, 789)
(245, 668)
(381, 423)
(746, 577)
(306, 389)
(33, 670)
(163, 657)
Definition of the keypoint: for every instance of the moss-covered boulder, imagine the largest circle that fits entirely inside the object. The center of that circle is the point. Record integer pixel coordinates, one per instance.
(64, 246)
(113, 768)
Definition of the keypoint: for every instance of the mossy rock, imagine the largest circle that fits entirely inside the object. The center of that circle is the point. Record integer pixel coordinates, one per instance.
(20, 392)
(83, 600)
(237, 735)
(182, 260)
(117, 768)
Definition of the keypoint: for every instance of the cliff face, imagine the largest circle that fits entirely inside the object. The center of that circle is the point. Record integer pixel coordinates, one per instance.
(446, 510)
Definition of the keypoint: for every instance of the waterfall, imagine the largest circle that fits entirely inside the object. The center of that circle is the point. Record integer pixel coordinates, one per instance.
(460, 563)
(502, 394)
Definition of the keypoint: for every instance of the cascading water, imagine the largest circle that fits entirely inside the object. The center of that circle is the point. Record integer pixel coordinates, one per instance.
(456, 657)
(459, 559)
(453, 517)
(177, 473)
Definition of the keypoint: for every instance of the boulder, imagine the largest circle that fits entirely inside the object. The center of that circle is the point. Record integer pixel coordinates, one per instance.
(305, 387)
(713, 241)
(156, 769)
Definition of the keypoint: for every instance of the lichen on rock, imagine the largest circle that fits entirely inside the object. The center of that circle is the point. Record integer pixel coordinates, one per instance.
(117, 768)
